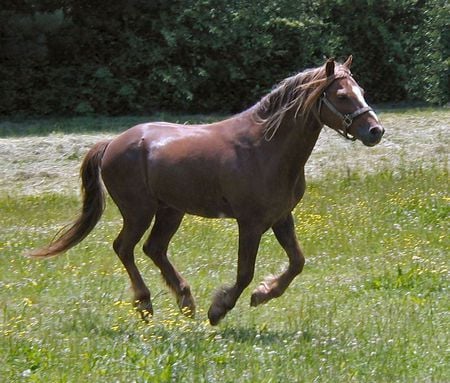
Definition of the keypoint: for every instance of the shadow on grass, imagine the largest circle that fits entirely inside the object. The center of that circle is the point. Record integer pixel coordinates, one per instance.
(263, 336)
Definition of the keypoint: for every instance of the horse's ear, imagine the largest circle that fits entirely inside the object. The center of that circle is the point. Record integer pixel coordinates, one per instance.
(329, 67)
(349, 61)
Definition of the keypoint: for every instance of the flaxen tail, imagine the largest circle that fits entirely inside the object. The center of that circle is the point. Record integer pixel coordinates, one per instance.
(93, 206)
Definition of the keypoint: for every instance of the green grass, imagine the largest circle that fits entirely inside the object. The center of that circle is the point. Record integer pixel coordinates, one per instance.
(372, 304)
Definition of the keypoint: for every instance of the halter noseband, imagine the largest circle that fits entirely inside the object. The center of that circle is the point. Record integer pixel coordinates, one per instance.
(347, 119)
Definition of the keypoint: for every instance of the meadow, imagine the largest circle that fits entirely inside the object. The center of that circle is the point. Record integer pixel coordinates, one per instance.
(372, 304)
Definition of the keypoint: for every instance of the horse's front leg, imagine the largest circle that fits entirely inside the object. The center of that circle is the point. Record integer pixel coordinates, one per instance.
(274, 286)
(225, 299)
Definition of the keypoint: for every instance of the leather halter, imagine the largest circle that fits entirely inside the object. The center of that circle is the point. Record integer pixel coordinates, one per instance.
(347, 119)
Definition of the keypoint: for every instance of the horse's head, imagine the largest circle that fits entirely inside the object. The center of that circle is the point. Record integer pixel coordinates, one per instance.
(343, 108)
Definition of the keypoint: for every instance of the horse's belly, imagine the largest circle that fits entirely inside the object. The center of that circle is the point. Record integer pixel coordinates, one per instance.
(203, 207)
(192, 192)
(210, 212)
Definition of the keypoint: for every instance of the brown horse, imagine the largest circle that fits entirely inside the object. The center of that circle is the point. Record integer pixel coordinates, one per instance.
(249, 167)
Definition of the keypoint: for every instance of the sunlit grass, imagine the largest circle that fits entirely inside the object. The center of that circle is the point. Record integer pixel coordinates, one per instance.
(17, 127)
(371, 305)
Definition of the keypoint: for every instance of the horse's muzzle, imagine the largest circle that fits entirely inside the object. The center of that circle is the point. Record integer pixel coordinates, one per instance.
(370, 136)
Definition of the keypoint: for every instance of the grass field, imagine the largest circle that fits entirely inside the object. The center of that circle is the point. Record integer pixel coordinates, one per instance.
(372, 304)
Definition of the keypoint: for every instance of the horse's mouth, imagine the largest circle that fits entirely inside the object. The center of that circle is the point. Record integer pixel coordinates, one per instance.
(371, 136)
(371, 143)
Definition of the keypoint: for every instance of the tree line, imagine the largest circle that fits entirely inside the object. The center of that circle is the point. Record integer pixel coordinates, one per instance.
(72, 57)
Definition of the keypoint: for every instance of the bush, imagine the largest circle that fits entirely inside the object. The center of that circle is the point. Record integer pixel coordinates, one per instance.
(429, 49)
(208, 55)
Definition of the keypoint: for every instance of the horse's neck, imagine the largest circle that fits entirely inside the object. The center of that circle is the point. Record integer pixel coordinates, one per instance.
(286, 153)
(294, 142)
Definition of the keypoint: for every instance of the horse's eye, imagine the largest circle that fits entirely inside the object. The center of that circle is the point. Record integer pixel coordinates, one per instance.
(342, 96)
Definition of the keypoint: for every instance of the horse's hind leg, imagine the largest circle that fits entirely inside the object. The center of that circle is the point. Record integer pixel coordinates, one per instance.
(275, 286)
(167, 222)
(134, 227)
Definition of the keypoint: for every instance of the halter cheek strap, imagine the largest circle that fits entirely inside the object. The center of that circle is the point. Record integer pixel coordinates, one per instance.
(347, 119)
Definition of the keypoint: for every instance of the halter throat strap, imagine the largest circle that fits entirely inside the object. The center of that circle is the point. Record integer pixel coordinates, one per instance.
(347, 119)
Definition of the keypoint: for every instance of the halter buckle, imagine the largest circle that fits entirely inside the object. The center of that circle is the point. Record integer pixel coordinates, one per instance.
(347, 121)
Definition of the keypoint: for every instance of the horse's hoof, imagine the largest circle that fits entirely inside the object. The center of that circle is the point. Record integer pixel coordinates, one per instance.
(145, 309)
(187, 306)
(256, 299)
(260, 295)
(146, 315)
(215, 316)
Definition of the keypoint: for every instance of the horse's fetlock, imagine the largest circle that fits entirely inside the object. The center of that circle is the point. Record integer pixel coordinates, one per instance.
(275, 292)
(245, 279)
(185, 290)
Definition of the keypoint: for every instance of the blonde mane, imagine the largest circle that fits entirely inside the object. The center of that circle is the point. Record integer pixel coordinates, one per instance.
(299, 92)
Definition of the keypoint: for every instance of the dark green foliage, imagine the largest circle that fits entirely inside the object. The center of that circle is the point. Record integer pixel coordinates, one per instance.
(402, 47)
(83, 57)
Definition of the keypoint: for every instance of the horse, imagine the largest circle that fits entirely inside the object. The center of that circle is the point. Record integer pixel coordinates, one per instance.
(249, 167)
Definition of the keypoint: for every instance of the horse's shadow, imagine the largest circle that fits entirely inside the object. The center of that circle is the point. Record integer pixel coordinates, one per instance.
(263, 336)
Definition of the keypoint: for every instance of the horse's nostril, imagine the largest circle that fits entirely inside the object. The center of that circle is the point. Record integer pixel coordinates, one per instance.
(376, 131)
